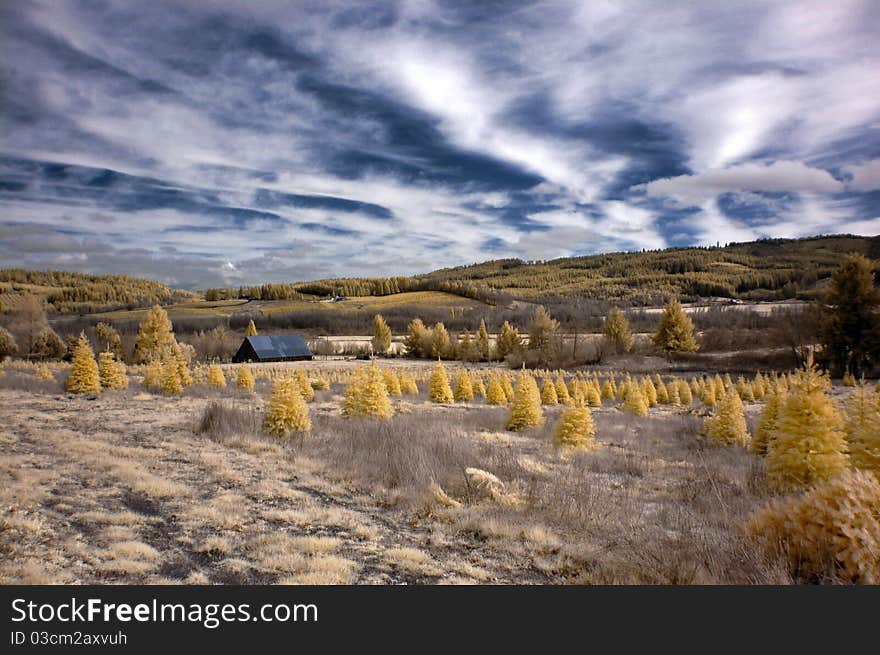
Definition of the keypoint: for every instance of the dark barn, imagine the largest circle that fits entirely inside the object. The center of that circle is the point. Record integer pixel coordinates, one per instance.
(275, 348)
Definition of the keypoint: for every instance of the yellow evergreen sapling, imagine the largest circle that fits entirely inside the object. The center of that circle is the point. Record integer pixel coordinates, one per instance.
(593, 397)
(548, 393)
(662, 392)
(320, 384)
(367, 394)
(862, 428)
(171, 382)
(575, 427)
(849, 380)
(650, 392)
(608, 390)
(830, 531)
(43, 372)
(809, 445)
(112, 373)
(508, 388)
(305, 387)
(684, 392)
(153, 375)
(245, 379)
(286, 411)
(562, 394)
(728, 426)
(766, 427)
(744, 389)
(464, 390)
(251, 330)
(408, 385)
(478, 387)
(439, 390)
(215, 376)
(525, 411)
(672, 391)
(392, 383)
(84, 377)
(155, 337)
(495, 392)
(634, 401)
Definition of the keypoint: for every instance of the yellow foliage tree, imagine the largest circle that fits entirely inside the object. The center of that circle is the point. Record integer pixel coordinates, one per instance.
(728, 426)
(684, 392)
(676, 330)
(251, 330)
(305, 387)
(507, 387)
(634, 401)
(171, 382)
(608, 390)
(216, 377)
(111, 372)
(548, 393)
(464, 390)
(153, 375)
(392, 383)
(809, 445)
(862, 428)
(367, 394)
(562, 394)
(593, 397)
(831, 530)
(495, 392)
(45, 373)
(245, 379)
(575, 428)
(766, 427)
(408, 384)
(381, 341)
(286, 410)
(84, 377)
(478, 386)
(525, 412)
(155, 337)
(439, 390)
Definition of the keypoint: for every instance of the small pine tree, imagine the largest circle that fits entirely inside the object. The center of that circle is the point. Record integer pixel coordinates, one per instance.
(509, 342)
(673, 392)
(650, 392)
(593, 397)
(685, 396)
(482, 342)
(634, 400)
(439, 390)
(525, 412)
(849, 380)
(171, 382)
(831, 530)
(507, 387)
(84, 377)
(286, 411)
(562, 394)
(153, 375)
(608, 390)
(245, 379)
(392, 382)
(809, 444)
(8, 347)
(305, 387)
(728, 426)
(617, 331)
(408, 385)
(478, 386)
(862, 428)
(675, 333)
(251, 330)
(381, 341)
(495, 392)
(367, 394)
(464, 390)
(766, 427)
(441, 345)
(575, 428)
(709, 398)
(111, 372)
(155, 337)
(548, 393)
(216, 377)
(662, 392)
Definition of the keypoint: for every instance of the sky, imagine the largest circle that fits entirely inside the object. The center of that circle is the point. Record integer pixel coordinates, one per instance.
(223, 143)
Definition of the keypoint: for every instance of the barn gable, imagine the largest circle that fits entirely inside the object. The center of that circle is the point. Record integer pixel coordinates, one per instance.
(273, 348)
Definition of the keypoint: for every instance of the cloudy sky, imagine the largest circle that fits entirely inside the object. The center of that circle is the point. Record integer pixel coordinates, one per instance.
(210, 143)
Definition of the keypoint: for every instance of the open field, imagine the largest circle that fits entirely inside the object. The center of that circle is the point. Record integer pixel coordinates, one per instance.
(411, 300)
(143, 488)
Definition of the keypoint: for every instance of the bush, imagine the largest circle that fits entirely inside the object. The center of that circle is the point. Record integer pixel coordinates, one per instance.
(286, 411)
(829, 532)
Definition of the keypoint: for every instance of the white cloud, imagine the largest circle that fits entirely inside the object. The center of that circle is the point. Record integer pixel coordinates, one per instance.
(778, 176)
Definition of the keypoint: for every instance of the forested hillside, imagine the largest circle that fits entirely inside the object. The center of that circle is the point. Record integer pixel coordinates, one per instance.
(761, 270)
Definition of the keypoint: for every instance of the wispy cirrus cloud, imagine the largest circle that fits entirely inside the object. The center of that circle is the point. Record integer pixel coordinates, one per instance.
(232, 142)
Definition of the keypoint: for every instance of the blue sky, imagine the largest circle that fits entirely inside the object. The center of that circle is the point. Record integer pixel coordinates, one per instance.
(225, 143)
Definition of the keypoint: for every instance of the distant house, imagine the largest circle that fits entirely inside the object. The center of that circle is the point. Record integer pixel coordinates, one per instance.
(274, 348)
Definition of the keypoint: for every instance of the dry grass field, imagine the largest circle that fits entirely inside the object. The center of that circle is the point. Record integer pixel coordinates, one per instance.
(134, 487)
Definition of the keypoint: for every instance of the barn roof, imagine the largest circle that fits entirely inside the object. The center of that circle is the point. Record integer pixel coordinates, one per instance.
(279, 346)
